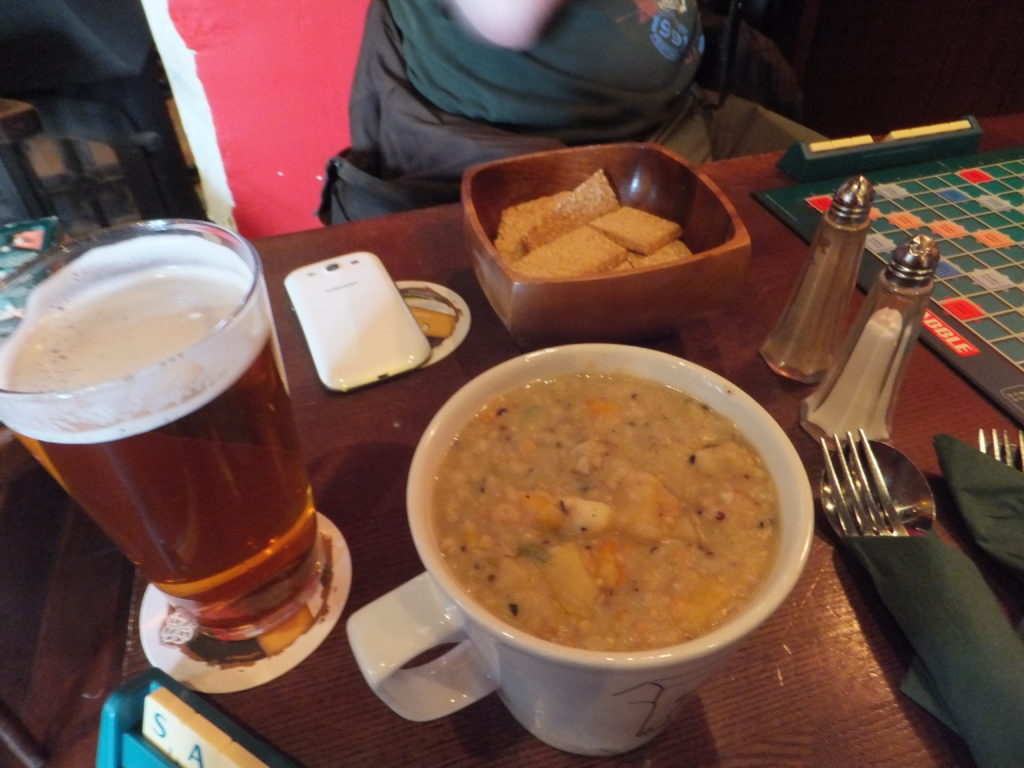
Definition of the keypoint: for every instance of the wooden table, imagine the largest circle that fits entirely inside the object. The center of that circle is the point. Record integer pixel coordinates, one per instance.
(815, 685)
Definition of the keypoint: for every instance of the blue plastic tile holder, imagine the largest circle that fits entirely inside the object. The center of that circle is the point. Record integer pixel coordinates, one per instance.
(122, 745)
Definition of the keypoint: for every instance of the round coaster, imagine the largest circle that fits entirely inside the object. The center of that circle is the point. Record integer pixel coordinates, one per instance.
(441, 313)
(213, 666)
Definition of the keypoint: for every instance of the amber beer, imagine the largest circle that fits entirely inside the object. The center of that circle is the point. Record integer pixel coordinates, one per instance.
(145, 377)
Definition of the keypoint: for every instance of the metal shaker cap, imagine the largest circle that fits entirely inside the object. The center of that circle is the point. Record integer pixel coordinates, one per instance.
(914, 260)
(851, 202)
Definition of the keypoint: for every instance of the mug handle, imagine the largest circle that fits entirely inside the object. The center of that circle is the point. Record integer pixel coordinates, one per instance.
(399, 626)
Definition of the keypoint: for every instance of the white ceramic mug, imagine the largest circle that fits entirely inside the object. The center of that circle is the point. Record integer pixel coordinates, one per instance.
(586, 702)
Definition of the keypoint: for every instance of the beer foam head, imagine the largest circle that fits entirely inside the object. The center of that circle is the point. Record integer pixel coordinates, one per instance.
(130, 336)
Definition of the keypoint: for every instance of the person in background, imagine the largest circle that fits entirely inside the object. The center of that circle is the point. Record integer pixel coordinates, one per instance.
(442, 85)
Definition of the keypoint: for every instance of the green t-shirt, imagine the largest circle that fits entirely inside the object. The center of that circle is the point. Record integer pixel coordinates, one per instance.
(604, 70)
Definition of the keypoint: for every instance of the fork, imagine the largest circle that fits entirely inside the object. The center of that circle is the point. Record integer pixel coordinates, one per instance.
(1001, 449)
(858, 501)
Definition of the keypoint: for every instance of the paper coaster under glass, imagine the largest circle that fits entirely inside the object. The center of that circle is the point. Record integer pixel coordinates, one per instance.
(212, 666)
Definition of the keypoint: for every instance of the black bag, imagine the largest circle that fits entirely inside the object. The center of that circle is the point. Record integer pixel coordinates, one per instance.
(352, 192)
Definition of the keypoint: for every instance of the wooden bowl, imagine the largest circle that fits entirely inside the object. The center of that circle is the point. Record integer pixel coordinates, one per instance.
(613, 306)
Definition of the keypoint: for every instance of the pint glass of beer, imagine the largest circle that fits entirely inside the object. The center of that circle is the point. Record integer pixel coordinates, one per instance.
(145, 376)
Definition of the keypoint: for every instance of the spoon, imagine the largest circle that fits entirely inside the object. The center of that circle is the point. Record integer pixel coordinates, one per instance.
(910, 492)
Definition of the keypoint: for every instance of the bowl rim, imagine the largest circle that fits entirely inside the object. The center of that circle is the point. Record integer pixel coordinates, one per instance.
(796, 505)
(740, 237)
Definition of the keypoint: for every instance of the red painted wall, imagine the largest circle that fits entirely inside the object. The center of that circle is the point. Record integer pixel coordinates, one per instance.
(277, 75)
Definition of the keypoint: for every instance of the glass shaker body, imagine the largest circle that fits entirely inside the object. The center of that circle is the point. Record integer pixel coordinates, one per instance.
(803, 343)
(860, 391)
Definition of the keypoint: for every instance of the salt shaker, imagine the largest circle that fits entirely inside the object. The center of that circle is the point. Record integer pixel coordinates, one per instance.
(804, 342)
(860, 390)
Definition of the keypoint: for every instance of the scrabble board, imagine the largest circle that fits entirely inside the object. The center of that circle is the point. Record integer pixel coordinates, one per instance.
(974, 206)
(21, 243)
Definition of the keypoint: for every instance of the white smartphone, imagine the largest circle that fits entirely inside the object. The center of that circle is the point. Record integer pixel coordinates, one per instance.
(358, 327)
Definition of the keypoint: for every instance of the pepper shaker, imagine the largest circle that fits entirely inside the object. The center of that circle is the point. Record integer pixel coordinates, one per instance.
(859, 392)
(804, 342)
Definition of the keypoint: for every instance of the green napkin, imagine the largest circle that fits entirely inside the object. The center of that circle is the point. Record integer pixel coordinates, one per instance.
(969, 669)
(990, 497)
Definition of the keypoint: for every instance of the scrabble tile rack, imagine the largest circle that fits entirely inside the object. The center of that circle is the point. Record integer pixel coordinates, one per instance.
(122, 745)
(858, 154)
